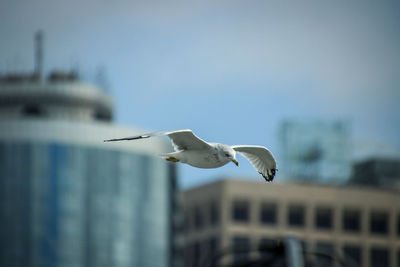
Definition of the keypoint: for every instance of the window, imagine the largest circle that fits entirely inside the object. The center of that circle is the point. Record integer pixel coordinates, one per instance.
(323, 218)
(398, 226)
(240, 212)
(268, 213)
(304, 244)
(196, 253)
(212, 247)
(214, 213)
(188, 255)
(379, 222)
(352, 255)
(351, 220)
(198, 218)
(267, 246)
(33, 111)
(193, 254)
(398, 258)
(241, 247)
(379, 257)
(269, 242)
(296, 215)
(327, 249)
(187, 221)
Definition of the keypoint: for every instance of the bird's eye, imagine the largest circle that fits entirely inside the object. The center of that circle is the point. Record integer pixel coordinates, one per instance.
(226, 154)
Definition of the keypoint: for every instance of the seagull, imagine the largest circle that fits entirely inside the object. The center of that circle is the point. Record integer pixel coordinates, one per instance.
(190, 149)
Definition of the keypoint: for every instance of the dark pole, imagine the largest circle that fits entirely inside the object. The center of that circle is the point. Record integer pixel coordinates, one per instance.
(39, 53)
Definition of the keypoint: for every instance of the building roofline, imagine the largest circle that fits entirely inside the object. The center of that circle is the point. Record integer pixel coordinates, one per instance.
(91, 133)
(226, 180)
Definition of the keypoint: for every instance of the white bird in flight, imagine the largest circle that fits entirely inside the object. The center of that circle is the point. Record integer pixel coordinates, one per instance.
(196, 152)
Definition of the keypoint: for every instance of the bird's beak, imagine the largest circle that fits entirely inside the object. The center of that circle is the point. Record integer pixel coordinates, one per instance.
(235, 161)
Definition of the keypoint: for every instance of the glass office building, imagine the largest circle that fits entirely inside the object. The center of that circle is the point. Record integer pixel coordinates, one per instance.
(316, 150)
(67, 198)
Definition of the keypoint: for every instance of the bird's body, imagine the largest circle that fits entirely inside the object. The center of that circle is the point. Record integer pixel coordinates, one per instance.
(205, 158)
(190, 149)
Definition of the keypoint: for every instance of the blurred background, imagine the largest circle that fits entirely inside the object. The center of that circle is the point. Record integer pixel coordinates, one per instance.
(315, 82)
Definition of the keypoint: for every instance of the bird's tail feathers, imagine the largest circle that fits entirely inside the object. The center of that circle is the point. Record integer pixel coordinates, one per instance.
(164, 155)
(168, 155)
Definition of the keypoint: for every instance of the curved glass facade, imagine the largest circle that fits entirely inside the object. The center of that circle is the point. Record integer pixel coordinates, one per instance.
(74, 205)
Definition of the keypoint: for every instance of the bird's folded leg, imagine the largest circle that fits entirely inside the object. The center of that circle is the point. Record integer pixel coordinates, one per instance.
(172, 159)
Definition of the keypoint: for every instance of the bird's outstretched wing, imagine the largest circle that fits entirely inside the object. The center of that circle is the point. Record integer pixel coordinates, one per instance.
(181, 139)
(261, 159)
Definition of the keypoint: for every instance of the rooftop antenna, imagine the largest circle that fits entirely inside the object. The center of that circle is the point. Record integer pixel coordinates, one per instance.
(39, 54)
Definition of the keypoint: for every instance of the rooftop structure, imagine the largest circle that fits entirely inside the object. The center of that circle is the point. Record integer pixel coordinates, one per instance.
(61, 96)
(377, 172)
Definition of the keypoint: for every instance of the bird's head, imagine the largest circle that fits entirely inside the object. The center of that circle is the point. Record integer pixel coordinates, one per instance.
(230, 155)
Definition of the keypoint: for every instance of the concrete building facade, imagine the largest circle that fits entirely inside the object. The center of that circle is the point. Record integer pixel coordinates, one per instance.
(355, 222)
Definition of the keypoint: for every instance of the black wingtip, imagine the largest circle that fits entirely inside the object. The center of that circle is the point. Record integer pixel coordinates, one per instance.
(269, 178)
(111, 140)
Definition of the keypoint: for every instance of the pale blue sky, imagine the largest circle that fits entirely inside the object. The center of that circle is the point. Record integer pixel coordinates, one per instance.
(229, 70)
